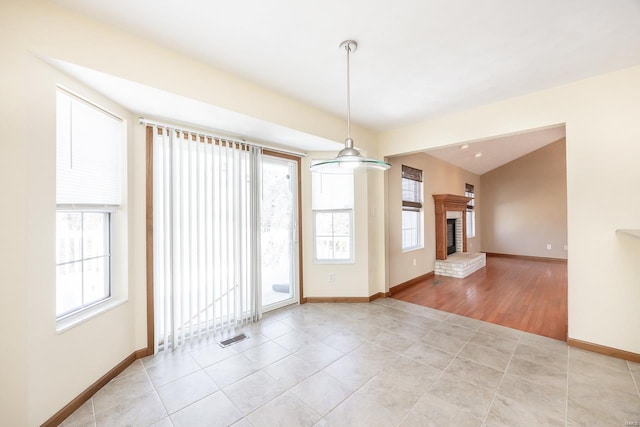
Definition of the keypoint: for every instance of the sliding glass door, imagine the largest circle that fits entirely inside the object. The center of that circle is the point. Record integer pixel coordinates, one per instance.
(279, 220)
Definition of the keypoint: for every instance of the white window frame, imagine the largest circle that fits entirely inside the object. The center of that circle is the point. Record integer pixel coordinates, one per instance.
(418, 210)
(110, 236)
(471, 212)
(118, 265)
(317, 260)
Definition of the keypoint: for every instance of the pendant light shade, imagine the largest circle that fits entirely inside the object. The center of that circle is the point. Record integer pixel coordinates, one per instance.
(349, 158)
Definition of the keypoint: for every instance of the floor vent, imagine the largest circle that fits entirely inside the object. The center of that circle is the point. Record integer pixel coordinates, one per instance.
(237, 338)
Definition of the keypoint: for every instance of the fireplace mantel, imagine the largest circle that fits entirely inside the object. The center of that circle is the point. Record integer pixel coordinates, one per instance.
(443, 204)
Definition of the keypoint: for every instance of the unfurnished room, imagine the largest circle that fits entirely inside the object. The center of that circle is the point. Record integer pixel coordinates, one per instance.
(288, 213)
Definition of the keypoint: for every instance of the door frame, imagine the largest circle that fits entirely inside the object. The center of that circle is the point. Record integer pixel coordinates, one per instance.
(298, 220)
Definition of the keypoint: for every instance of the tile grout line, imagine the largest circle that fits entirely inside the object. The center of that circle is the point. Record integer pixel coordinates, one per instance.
(504, 373)
(566, 393)
(633, 378)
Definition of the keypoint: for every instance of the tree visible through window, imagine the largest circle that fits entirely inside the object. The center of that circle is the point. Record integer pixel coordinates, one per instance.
(412, 219)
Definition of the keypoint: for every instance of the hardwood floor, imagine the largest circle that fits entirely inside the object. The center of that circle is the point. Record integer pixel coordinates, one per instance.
(523, 294)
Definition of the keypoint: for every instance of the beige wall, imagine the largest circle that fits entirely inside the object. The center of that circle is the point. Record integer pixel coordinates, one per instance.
(602, 149)
(438, 178)
(44, 370)
(524, 205)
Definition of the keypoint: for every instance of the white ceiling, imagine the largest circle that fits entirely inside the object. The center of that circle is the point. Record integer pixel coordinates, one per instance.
(417, 59)
(496, 152)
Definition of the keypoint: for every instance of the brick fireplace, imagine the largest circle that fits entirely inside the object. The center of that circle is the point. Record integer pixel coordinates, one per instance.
(452, 258)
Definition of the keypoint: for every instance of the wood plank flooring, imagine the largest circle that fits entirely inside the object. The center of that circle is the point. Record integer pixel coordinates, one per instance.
(528, 295)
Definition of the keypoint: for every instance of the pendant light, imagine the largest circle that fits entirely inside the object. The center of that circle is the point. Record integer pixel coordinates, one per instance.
(349, 158)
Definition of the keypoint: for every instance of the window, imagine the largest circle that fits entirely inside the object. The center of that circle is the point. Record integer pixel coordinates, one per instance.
(412, 219)
(332, 204)
(83, 265)
(89, 176)
(471, 213)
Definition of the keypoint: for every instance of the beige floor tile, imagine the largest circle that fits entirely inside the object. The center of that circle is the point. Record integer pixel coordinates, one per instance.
(275, 329)
(544, 343)
(254, 340)
(601, 405)
(475, 373)
(140, 410)
(375, 355)
(343, 341)
(253, 391)
(363, 409)
(412, 372)
(455, 331)
(508, 413)
(186, 390)
(467, 322)
(290, 370)
(352, 371)
(462, 394)
(429, 355)
(121, 389)
(265, 354)
(207, 355)
(500, 331)
(494, 358)
(554, 361)
(541, 399)
(577, 354)
(392, 341)
(597, 376)
(432, 412)
(165, 422)
(318, 355)
(540, 374)
(493, 341)
(321, 392)
(134, 368)
(406, 330)
(83, 416)
(231, 370)
(444, 342)
(295, 340)
(172, 369)
(212, 411)
(284, 410)
(363, 330)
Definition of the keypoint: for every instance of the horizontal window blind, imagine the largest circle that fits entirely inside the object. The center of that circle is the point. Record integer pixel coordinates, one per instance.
(89, 153)
(411, 189)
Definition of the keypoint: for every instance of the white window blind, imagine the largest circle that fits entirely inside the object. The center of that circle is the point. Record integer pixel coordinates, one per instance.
(89, 154)
(332, 205)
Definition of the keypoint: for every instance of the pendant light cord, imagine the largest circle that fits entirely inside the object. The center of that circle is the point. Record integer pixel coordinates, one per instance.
(350, 141)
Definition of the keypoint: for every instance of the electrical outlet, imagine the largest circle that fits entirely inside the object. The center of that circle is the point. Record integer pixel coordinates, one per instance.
(332, 277)
(548, 246)
(414, 262)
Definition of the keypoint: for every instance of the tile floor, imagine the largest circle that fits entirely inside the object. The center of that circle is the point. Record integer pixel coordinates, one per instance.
(386, 363)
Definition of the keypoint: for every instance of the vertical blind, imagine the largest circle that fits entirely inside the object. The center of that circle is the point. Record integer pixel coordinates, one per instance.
(206, 235)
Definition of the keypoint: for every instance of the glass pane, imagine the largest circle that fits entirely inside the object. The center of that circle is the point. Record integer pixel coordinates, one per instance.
(324, 248)
(341, 223)
(95, 234)
(410, 229)
(68, 287)
(68, 236)
(96, 280)
(324, 223)
(342, 248)
(411, 190)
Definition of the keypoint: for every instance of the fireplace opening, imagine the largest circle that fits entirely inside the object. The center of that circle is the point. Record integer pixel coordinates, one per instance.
(451, 236)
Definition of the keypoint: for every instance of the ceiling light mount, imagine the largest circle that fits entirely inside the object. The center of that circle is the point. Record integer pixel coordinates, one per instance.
(349, 158)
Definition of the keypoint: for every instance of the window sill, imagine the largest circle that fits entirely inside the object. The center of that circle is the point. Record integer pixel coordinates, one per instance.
(404, 251)
(86, 315)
